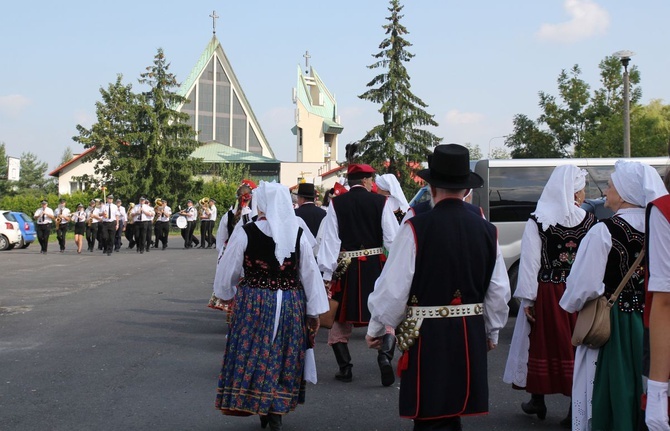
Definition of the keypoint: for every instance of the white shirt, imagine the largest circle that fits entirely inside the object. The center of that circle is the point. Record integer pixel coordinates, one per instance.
(222, 231)
(329, 248)
(42, 215)
(64, 212)
(191, 213)
(388, 302)
(123, 216)
(109, 212)
(659, 251)
(95, 215)
(231, 267)
(143, 212)
(167, 212)
(79, 216)
(213, 214)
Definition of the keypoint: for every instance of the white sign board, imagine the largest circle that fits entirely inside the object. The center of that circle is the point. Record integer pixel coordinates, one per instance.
(13, 169)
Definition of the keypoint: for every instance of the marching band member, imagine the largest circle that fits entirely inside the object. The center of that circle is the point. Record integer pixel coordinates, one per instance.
(129, 228)
(142, 214)
(110, 224)
(43, 217)
(205, 214)
(79, 219)
(62, 214)
(187, 233)
(211, 240)
(162, 228)
(91, 225)
(123, 220)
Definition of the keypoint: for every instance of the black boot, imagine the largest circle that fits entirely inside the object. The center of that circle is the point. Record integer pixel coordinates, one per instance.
(264, 421)
(535, 406)
(384, 358)
(343, 361)
(275, 422)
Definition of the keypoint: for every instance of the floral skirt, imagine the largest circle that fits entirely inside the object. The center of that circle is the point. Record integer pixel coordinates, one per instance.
(262, 372)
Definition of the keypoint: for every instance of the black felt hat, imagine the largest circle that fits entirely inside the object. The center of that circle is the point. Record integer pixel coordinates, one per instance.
(449, 168)
(306, 190)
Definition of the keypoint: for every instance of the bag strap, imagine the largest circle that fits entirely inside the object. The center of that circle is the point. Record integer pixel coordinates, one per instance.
(629, 274)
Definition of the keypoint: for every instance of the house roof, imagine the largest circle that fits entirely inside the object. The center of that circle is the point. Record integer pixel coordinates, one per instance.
(56, 172)
(333, 171)
(215, 152)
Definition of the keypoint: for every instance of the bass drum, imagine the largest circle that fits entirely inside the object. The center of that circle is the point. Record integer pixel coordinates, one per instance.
(181, 222)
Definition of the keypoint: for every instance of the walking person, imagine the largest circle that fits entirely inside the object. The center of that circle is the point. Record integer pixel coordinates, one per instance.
(271, 273)
(91, 225)
(307, 209)
(388, 185)
(604, 397)
(110, 224)
(191, 215)
(213, 214)
(129, 228)
(205, 214)
(44, 216)
(162, 228)
(79, 219)
(658, 312)
(445, 287)
(357, 227)
(541, 357)
(123, 221)
(142, 214)
(62, 221)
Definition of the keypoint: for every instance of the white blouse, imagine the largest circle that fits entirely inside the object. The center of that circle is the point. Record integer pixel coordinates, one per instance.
(659, 252)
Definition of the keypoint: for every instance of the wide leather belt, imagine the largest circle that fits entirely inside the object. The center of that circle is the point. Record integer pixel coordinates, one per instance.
(359, 253)
(408, 330)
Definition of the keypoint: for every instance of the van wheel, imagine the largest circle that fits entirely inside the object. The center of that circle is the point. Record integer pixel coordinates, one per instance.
(4, 242)
(514, 303)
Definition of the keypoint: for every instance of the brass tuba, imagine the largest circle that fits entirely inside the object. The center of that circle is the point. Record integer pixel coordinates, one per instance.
(158, 209)
(204, 207)
(131, 219)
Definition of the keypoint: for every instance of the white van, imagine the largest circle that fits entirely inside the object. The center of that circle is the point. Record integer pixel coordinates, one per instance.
(512, 188)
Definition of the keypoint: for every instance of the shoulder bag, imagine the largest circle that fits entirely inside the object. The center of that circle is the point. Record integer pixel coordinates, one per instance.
(593, 328)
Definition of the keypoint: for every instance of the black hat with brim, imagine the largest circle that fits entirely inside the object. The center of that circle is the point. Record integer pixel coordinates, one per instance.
(449, 168)
(306, 190)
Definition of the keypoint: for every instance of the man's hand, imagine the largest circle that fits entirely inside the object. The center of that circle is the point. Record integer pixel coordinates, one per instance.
(374, 342)
(490, 346)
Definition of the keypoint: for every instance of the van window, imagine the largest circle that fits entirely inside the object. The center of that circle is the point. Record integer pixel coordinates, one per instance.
(514, 191)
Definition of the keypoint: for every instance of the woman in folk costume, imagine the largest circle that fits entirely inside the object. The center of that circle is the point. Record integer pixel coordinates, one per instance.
(658, 286)
(541, 355)
(275, 312)
(241, 213)
(388, 185)
(607, 397)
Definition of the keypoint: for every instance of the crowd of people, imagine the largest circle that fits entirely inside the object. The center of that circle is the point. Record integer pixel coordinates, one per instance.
(431, 281)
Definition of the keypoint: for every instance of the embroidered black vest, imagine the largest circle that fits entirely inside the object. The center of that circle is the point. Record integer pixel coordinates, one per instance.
(559, 247)
(627, 243)
(359, 219)
(261, 269)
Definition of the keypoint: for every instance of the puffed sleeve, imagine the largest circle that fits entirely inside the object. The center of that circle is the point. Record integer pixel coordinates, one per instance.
(229, 265)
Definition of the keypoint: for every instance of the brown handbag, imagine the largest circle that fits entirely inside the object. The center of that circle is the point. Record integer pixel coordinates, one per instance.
(327, 319)
(592, 328)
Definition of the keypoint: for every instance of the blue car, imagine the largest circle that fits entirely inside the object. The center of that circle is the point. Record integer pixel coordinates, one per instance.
(27, 228)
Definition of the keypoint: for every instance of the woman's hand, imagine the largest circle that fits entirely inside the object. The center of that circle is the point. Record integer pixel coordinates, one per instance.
(530, 313)
(312, 329)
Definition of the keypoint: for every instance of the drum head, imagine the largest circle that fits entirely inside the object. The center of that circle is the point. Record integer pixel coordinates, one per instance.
(181, 222)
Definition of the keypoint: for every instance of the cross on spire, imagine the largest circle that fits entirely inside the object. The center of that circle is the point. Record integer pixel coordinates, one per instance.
(214, 16)
(307, 57)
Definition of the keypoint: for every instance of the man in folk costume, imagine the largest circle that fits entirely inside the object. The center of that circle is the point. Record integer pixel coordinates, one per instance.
(357, 226)
(307, 210)
(446, 285)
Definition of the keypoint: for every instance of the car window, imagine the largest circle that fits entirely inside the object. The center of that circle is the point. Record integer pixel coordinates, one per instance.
(9, 216)
(25, 217)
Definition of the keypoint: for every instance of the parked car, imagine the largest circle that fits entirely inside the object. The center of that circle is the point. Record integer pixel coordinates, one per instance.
(27, 228)
(597, 208)
(10, 235)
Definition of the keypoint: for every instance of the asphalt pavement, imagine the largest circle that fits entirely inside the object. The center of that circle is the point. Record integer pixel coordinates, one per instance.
(126, 342)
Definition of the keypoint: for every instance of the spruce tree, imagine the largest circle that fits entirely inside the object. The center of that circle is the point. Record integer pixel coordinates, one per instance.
(401, 143)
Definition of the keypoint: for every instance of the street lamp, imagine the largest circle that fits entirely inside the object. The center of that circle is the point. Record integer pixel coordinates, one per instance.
(625, 56)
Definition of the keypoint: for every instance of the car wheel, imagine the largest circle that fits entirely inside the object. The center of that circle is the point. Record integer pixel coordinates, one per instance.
(11, 246)
(514, 303)
(4, 242)
(25, 245)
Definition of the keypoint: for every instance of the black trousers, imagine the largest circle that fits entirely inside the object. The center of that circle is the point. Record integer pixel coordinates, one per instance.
(43, 232)
(118, 236)
(99, 237)
(130, 234)
(141, 234)
(162, 230)
(187, 234)
(148, 241)
(108, 235)
(206, 232)
(60, 234)
(91, 235)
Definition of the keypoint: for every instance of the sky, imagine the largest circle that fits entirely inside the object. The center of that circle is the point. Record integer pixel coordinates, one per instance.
(476, 64)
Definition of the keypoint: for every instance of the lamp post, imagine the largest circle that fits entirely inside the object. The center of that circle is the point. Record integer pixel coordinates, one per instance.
(625, 56)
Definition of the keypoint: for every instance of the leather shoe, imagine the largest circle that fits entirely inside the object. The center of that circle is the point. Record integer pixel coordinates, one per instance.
(533, 407)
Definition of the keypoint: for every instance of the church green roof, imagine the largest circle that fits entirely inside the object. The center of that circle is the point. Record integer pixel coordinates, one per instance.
(214, 152)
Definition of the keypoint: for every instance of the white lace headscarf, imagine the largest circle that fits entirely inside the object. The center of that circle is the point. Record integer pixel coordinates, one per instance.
(390, 183)
(637, 183)
(557, 202)
(274, 200)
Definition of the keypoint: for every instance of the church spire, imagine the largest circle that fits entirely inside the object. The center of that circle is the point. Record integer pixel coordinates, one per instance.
(214, 16)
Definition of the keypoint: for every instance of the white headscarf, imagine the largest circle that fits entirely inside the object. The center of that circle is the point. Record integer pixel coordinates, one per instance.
(274, 200)
(637, 183)
(390, 183)
(557, 202)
